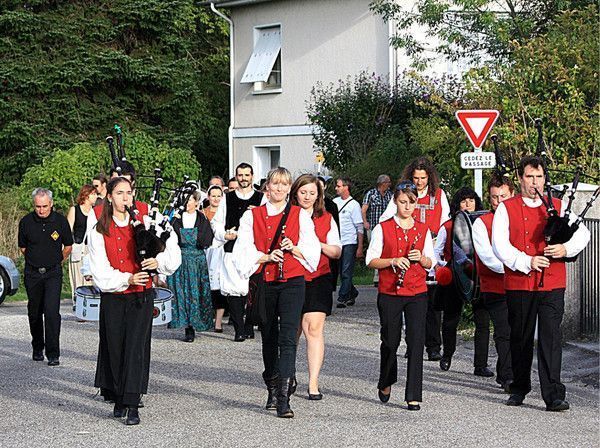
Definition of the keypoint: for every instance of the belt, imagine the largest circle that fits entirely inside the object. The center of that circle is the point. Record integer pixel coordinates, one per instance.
(42, 270)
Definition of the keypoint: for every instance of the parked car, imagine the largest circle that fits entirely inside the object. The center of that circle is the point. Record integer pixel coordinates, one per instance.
(9, 278)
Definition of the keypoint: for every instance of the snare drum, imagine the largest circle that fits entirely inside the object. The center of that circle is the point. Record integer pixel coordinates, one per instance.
(87, 303)
(162, 313)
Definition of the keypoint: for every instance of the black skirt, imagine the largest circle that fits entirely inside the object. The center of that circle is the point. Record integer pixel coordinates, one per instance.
(319, 295)
(124, 351)
(218, 300)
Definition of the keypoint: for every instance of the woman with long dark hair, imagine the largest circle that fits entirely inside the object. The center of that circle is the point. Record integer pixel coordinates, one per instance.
(307, 192)
(127, 298)
(281, 256)
(401, 249)
(447, 297)
(192, 304)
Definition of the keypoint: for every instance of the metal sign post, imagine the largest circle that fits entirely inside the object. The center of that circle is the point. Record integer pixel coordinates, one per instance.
(477, 124)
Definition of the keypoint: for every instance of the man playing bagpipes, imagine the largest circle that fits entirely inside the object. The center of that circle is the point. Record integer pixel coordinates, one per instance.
(535, 282)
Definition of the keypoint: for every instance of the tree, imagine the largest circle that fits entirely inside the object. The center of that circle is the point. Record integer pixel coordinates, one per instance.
(70, 69)
(65, 171)
(475, 30)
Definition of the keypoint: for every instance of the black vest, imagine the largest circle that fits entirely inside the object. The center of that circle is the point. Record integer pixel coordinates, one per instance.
(235, 209)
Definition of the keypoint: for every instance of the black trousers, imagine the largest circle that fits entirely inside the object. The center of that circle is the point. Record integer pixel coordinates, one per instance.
(284, 301)
(123, 367)
(481, 318)
(390, 317)
(43, 309)
(433, 339)
(495, 304)
(524, 308)
(236, 306)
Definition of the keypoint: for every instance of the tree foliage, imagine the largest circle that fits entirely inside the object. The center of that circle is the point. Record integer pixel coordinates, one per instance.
(65, 171)
(70, 69)
(475, 30)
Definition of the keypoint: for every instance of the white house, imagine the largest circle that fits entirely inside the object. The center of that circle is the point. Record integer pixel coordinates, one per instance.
(280, 49)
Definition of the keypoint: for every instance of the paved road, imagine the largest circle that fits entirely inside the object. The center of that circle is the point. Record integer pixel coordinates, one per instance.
(210, 393)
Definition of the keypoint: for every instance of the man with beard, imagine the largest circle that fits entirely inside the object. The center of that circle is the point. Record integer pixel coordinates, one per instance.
(225, 225)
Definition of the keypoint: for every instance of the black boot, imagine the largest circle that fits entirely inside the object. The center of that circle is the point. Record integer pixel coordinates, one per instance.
(190, 334)
(133, 416)
(272, 389)
(119, 410)
(283, 398)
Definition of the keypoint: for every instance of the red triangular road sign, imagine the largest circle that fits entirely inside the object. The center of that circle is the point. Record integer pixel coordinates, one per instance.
(477, 124)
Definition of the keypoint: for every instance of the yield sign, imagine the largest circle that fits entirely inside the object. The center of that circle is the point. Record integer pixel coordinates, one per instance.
(477, 124)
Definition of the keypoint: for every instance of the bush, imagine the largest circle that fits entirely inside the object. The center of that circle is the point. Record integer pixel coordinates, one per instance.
(65, 171)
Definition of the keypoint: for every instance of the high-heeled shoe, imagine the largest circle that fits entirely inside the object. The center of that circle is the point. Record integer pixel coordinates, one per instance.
(383, 397)
(413, 406)
(317, 396)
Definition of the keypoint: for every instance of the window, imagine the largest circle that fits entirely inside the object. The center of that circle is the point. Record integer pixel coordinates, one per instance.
(264, 67)
(265, 158)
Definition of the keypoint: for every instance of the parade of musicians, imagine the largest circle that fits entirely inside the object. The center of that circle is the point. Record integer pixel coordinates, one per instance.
(329, 270)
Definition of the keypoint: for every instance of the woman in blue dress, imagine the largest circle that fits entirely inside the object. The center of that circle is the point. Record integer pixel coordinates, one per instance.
(190, 284)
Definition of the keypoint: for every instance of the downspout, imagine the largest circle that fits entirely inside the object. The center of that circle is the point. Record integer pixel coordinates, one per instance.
(231, 86)
(393, 67)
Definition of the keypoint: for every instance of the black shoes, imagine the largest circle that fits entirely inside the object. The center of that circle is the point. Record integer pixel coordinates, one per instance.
(38, 355)
(190, 335)
(414, 406)
(218, 330)
(239, 338)
(515, 400)
(283, 398)
(119, 411)
(271, 384)
(406, 354)
(341, 303)
(557, 406)
(506, 385)
(315, 397)
(383, 397)
(250, 335)
(445, 364)
(133, 417)
(434, 355)
(483, 371)
(53, 362)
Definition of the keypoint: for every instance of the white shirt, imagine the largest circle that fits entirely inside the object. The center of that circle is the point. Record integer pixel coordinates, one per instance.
(392, 208)
(188, 220)
(483, 247)
(245, 255)
(376, 245)
(517, 260)
(109, 279)
(218, 221)
(333, 236)
(351, 222)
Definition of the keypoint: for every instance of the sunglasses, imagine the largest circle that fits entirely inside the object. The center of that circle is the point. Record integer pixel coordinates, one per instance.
(406, 185)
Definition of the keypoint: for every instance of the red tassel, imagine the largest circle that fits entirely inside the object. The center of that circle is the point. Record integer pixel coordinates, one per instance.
(443, 275)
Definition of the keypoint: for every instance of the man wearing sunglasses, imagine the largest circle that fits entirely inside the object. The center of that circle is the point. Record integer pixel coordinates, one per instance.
(99, 183)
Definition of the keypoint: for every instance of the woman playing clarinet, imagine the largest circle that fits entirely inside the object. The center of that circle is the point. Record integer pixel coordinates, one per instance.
(307, 192)
(127, 299)
(401, 249)
(283, 263)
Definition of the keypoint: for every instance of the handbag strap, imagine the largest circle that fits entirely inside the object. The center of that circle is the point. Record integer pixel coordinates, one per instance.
(286, 212)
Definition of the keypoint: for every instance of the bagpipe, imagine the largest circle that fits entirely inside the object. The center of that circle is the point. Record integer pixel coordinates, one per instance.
(116, 160)
(558, 229)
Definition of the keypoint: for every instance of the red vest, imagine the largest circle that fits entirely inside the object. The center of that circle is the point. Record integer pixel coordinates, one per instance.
(264, 230)
(395, 245)
(322, 228)
(432, 214)
(526, 233)
(120, 246)
(490, 281)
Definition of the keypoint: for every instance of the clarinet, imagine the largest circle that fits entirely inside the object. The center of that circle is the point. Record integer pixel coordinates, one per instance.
(280, 275)
(402, 273)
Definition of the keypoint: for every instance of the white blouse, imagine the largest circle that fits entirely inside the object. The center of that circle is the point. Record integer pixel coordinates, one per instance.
(109, 279)
(245, 254)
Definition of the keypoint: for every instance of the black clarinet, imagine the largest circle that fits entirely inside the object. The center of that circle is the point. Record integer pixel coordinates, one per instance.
(280, 274)
(402, 273)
